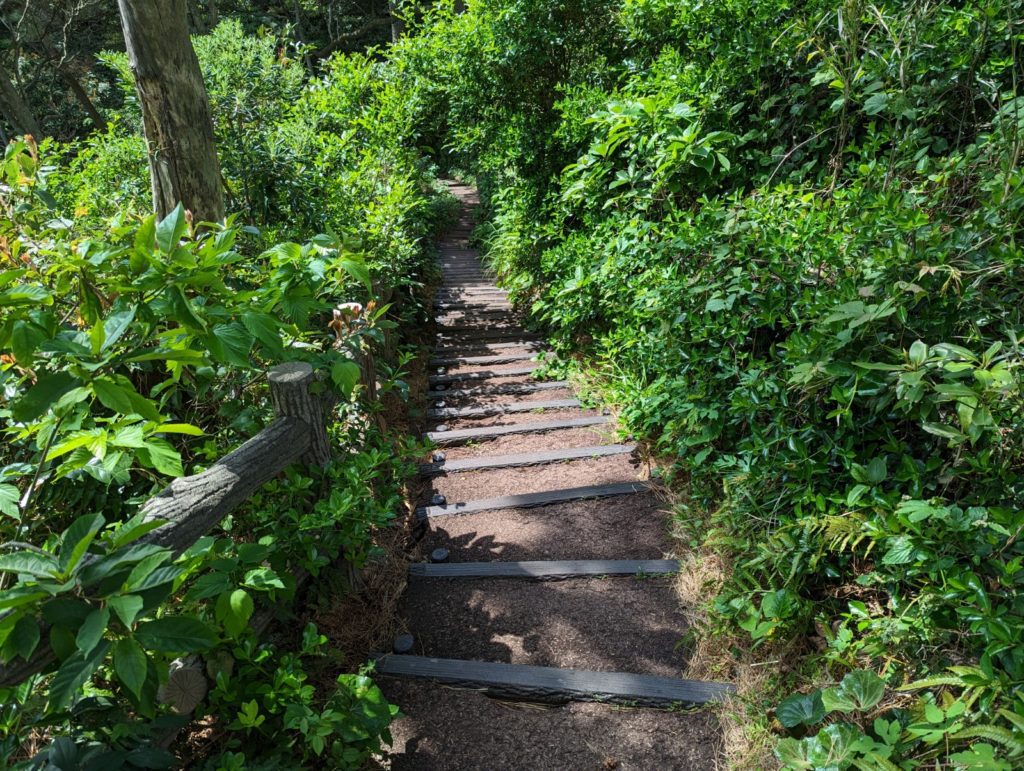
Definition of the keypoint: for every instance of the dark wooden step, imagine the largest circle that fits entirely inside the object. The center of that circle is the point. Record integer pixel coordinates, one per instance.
(530, 500)
(497, 358)
(470, 306)
(463, 435)
(486, 349)
(473, 334)
(554, 685)
(503, 389)
(502, 409)
(487, 374)
(525, 459)
(543, 570)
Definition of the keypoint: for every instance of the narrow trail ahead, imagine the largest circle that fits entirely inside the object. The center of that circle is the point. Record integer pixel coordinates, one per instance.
(531, 486)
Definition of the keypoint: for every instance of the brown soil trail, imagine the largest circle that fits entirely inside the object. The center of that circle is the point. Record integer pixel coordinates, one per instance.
(554, 650)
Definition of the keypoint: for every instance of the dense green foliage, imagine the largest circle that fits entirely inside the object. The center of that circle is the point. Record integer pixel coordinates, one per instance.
(135, 351)
(782, 236)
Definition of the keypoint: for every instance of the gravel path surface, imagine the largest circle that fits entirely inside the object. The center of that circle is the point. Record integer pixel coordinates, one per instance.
(623, 624)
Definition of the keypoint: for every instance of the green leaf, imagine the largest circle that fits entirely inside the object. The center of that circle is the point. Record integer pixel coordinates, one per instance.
(266, 329)
(230, 344)
(43, 395)
(875, 103)
(76, 539)
(73, 674)
(112, 396)
(159, 455)
(901, 551)
(142, 570)
(862, 688)
(170, 229)
(116, 324)
(92, 629)
(130, 665)
(234, 610)
(175, 634)
(26, 337)
(25, 294)
(30, 562)
(25, 636)
(345, 375)
(126, 606)
(801, 709)
(9, 497)
(179, 428)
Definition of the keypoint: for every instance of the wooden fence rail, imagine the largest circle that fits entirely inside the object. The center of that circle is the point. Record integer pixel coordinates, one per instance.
(192, 506)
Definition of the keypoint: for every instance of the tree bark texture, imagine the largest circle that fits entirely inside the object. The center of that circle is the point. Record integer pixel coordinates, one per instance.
(183, 161)
(13, 107)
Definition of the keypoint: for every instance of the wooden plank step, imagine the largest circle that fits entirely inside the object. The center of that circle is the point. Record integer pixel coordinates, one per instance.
(530, 500)
(461, 436)
(525, 459)
(486, 374)
(503, 389)
(475, 334)
(554, 685)
(482, 349)
(498, 305)
(502, 409)
(497, 358)
(543, 570)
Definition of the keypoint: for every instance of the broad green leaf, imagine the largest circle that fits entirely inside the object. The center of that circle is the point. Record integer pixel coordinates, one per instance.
(25, 636)
(25, 294)
(142, 570)
(112, 396)
(92, 629)
(179, 428)
(801, 709)
(230, 343)
(234, 610)
(170, 229)
(9, 497)
(43, 395)
(26, 337)
(901, 551)
(861, 688)
(266, 329)
(175, 634)
(76, 539)
(30, 562)
(130, 665)
(126, 606)
(73, 674)
(116, 324)
(159, 455)
(345, 375)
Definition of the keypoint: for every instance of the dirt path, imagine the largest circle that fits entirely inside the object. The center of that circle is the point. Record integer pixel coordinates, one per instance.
(558, 648)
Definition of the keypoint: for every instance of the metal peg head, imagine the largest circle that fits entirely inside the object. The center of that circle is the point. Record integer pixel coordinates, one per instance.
(442, 428)
(403, 643)
(439, 555)
(438, 457)
(438, 500)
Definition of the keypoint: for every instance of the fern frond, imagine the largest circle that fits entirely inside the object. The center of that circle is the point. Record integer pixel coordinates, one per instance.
(992, 733)
(1012, 717)
(932, 682)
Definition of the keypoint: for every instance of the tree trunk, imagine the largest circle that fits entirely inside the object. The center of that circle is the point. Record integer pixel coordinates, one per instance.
(14, 108)
(83, 98)
(397, 24)
(183, 162)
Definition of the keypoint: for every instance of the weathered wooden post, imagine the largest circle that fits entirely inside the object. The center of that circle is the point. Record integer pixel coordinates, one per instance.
(291, 391)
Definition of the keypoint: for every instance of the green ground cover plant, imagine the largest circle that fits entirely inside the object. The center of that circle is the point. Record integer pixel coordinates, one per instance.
(135, 350)
(784, 237)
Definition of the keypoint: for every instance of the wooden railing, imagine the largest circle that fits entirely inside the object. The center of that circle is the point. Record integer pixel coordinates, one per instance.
(192, 506)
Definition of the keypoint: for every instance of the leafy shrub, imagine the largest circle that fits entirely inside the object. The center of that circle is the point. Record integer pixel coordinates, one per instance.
(787, 244)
